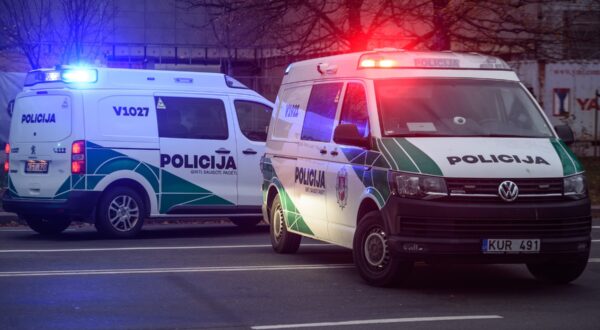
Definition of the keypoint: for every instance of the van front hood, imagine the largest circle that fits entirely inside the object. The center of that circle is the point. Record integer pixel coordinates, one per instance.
(479, 157)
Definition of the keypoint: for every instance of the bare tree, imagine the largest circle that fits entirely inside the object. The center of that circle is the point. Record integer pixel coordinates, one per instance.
(24, 26)
(85, 23)
(510, 28)
(47, 33)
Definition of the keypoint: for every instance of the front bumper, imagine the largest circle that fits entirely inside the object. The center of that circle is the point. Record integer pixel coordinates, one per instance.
(451, 231)
(79, 205)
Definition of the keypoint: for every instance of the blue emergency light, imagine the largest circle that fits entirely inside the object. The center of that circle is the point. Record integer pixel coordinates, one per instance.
(62, 74)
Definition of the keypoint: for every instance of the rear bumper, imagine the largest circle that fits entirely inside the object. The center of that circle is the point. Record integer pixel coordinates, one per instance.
(448, 231)
(79, 205)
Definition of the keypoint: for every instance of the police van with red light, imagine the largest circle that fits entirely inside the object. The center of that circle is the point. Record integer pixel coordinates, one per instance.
(423, 156)
(115, 146)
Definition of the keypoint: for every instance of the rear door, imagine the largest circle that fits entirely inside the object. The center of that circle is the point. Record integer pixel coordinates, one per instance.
(252, 117)
(198, 154)
(40, 138)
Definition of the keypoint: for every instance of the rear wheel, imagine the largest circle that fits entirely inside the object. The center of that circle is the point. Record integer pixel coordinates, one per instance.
(120, 213)
(373, 258)
(47, 225)
(282, 240)
(560, 271)
(246, 222)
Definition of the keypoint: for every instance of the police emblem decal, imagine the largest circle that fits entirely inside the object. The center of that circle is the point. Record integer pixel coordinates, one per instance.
(341, 187)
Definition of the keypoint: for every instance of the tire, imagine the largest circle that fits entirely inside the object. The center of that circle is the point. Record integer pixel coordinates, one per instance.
(246, 222)
(282, 240)
(47, 225)
(375, 262)
(120, 213)
(561, 271)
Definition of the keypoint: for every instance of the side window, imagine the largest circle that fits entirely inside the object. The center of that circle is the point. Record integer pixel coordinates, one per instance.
(354, 108)
(320, 112)
(253, 119)
(191, 118)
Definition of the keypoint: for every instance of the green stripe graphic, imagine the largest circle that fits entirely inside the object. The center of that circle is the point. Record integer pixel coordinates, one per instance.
(569, 161)
(424, 162)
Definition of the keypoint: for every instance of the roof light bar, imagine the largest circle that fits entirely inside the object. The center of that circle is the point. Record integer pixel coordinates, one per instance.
(61, 74)
(52, 76)
(79, 75)
(397, 59)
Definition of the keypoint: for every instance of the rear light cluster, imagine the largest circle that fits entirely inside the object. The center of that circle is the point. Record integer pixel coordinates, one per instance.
(78, 157)
(6, 159)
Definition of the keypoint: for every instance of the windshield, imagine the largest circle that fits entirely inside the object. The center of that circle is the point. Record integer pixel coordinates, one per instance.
(458, 107)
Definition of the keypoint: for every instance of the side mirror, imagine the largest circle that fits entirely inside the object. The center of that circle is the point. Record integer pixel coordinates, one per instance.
(348, 134)
(10, 107)
(565, 133)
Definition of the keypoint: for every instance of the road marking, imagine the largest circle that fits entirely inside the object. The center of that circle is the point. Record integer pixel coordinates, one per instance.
(173, 270)
(595, 240)
(15, 230)
(142, 248)
(379, 321)
(596, 227)
(594, 260)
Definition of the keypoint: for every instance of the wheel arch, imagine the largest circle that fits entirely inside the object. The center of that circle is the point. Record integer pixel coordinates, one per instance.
(134, 181)
(272, 192)
(367, 204)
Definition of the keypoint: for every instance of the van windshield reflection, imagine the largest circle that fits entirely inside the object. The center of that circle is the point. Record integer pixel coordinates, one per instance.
(427, 107)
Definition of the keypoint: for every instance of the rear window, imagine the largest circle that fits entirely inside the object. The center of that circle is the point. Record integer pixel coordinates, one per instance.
(41, 118)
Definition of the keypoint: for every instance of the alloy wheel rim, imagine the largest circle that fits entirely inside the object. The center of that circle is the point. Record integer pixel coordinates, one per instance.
(123, 213)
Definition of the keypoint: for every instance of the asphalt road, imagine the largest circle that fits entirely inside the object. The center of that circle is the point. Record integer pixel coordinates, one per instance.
(218, 276)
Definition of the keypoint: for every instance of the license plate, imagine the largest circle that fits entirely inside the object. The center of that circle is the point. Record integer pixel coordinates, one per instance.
(510, 245)
(36, 166)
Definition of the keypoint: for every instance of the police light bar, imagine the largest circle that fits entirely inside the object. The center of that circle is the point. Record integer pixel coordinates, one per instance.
(79, 75)
(66, 75)
(399, 59)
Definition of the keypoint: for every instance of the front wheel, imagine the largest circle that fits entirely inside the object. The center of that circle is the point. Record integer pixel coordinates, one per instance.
(120, 213)
(373, 258)
(47, 225)
(561, 271)
(282, 240)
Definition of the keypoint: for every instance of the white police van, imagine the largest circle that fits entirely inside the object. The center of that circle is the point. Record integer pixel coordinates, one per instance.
(423, 156)
(115, 146)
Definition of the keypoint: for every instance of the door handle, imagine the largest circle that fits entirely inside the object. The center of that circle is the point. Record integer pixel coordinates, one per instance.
(249, 152)
(222, 151)
(334, 153)
(323, 151)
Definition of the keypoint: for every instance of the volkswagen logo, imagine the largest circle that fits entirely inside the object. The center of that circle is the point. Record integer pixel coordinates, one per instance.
(508, 191)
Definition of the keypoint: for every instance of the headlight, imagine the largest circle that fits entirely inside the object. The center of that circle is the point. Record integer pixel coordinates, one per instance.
(575, 186)
(417, 186)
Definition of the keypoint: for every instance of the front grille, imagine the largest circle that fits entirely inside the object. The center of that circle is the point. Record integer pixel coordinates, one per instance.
(494, 228)
(487, 189)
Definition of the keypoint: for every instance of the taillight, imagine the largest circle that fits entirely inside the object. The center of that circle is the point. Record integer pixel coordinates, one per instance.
(6, 159)
(78, 157)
